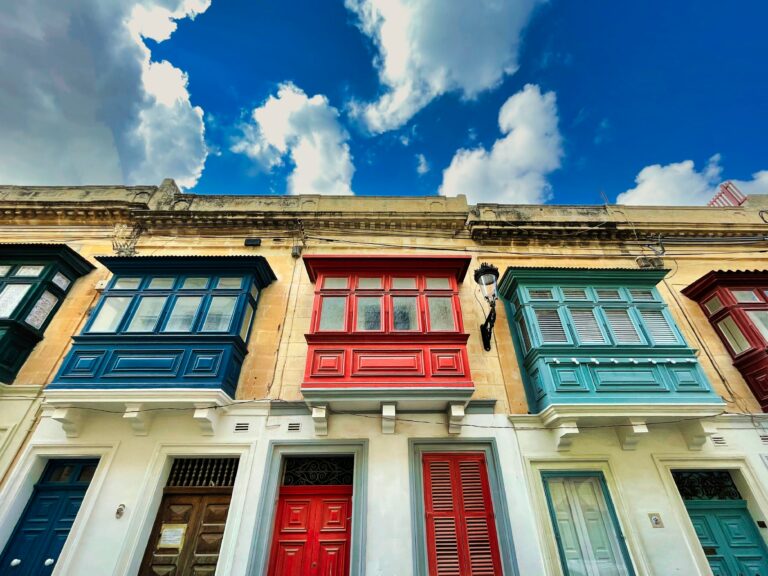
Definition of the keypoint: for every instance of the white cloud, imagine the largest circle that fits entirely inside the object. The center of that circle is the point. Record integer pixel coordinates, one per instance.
(82, 102)
(515, 169)
(306, 130)
(680, 184)
(422, 166)
(429, 47)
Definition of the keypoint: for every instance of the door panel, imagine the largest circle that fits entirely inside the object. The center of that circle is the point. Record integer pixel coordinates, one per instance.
(44, 526)
(312, 531)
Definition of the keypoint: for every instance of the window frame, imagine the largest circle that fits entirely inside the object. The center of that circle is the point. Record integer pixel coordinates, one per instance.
(244, 296)
(387, 293)
(38, 286)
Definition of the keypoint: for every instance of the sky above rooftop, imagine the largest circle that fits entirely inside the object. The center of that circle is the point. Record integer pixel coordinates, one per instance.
(522, 101)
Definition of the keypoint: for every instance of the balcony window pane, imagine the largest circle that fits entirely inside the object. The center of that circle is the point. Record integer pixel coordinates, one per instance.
(332, 312)
(760, 320)
(369, 283)
(127, 283)
(161, 283)
(623, 328)
(586, 326)
(438, 284)
(403, 283)
(574, 293)
(608, 294)
(745, 296)
(29, 271)
(147, 314)
(183, 314)
(404, 313)
(335, 283)
(229, 283)
(713, 305)
(524, 333)
(41, 310)
(246, 323)
(540, 293)
(10, 297)
(61, 281)
(110, 314)
(441, 313)
(4, 270)
(369, 313)
(550, 325)
(733, 334)
(195, 283)
(220, 313)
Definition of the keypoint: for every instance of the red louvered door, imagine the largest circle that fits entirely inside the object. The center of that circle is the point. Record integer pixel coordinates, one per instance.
(312, 531)
(461, 527)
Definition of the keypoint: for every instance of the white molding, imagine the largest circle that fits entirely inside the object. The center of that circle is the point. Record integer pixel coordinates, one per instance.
(565, 433)
(631, 432)
(71, 420)
(140, 420)
(651, 413)
(388, 418)
(455, 418)
(161, 397)
(207, 418)
(320, 418)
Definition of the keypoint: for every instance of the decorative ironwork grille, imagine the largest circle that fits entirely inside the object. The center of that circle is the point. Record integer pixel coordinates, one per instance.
(203, 472)
(318, 471)
(706, 485)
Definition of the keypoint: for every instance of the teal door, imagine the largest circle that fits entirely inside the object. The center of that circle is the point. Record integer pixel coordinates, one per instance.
(42, 530)
(729, 537)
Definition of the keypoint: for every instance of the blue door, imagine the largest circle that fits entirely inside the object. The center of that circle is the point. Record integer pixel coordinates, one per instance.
(729, 537)
(42, 530)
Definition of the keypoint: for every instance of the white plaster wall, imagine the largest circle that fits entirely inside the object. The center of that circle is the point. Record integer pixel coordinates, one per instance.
(134, 473)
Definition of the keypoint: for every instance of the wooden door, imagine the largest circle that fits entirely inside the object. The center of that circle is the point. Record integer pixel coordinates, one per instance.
(312, 531)
(40, 535)
(186, 537)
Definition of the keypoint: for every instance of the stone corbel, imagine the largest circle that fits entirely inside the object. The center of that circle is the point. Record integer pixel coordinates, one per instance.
(320, 418)
(631, 432)
(71, 420)
(139, 421)
(207, 418)
(388, 415)
(455, 418)
(696, 433)
(565, 433)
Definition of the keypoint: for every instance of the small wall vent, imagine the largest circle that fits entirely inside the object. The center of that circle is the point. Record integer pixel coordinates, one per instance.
(242, 426)
(294, 426)
(764, 439)
(718, 441)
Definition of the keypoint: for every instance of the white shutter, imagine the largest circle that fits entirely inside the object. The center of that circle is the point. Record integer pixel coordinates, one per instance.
(622, 326)
(586, 326)
(550, 325)
(658, 327)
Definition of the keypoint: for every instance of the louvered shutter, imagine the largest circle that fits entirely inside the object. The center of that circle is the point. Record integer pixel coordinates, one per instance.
(540, 293)
(575, 293)
(586, 325)
(622, 326)
(461, 528)
(658, 327)
(642, 295)
(550, 325)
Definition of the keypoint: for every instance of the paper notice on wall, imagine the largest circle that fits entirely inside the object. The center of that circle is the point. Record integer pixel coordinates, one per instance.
(172, 536)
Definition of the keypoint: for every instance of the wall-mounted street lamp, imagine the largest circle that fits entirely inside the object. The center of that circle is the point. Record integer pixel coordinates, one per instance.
(486, 276)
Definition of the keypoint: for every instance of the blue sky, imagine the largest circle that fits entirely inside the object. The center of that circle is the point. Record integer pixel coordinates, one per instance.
(650, 102)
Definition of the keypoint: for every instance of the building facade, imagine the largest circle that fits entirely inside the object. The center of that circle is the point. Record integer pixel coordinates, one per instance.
(247, 385)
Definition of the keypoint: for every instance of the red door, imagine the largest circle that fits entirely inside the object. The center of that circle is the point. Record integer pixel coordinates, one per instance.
(312, 531)
(461, 526)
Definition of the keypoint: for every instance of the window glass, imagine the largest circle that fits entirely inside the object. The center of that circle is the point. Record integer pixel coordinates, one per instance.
(745, 296)
(254, 292)
(335, 283)
(147, 314)
(220, 313)
(246, 322)
(608, 294)
(183, 314)
(4, 270)
(574, 293)
(369, 313)
(29, 271)
(127, 283)
(161, 283)
(713, 305)
(642, 295)
(524, 332)
(438, 284)
(404, 313)
(61, 473)
(10, 297)
(441, 313)
(195, 283)
(403, 283)
(229, 283)
(733, 334)
(110, 314)
(86, 473)
(369, 283)
(540, 293)
(623, 328)
(41, 310)
(760, 320)
(550, 325)
(332, 312)
(61, 281)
